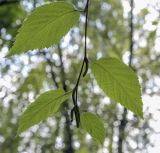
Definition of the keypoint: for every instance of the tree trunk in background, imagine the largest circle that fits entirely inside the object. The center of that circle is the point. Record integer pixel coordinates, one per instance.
(124, 121)
(122, 127)
(68, 131)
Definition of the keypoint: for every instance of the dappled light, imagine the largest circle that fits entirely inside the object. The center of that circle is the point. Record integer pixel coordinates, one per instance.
(79, 76)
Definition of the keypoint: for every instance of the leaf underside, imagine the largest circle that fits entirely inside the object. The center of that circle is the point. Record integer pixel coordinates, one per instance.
(43, 107)
(45, 27)
(119, 82)
(94, 126)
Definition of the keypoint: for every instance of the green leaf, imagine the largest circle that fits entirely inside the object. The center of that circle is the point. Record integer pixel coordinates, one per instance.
(45, 27)
(94, 126)
(43, 107)
(119, 82)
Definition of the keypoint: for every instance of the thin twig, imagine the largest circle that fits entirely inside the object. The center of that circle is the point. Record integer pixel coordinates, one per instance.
(75, 109)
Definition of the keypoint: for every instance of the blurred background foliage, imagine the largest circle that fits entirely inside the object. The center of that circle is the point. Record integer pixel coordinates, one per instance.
(24, 77)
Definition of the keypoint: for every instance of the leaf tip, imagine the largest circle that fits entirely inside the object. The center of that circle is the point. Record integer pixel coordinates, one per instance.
(141, 115)
(9, 54)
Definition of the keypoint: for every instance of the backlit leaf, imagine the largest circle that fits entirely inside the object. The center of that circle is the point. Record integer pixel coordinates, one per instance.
(94, 126)
(43, 107)
(45, 27)
(119, 82)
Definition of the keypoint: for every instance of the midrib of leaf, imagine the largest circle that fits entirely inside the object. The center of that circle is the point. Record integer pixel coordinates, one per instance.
(115, 79)
(46, 104)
